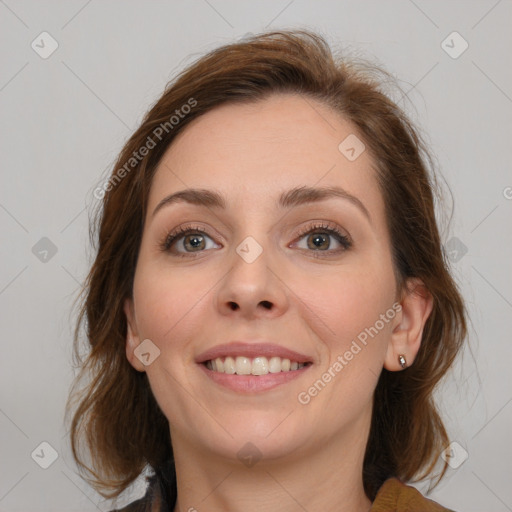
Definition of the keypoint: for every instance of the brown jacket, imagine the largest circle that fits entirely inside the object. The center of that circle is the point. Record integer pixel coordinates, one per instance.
(395, 496)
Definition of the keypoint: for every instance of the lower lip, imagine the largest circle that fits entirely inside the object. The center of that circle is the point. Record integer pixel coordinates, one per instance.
(253, 383)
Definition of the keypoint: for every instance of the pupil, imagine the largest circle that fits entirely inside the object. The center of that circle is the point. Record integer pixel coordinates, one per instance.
(195, 241)
(319, 239)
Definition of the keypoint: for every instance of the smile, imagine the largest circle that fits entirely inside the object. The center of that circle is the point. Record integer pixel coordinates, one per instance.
(252, 367)
(249, 383)
(260, 365)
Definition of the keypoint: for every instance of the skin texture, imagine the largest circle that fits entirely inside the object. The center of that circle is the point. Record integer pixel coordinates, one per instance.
(314, 305)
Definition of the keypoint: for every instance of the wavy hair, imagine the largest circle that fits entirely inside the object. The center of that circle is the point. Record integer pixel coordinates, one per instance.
(115, 413)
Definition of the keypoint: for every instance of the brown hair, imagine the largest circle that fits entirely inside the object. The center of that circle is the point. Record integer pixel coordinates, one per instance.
(117, 414)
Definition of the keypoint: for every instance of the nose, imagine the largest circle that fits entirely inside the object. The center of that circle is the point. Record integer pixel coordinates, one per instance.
(254, 289)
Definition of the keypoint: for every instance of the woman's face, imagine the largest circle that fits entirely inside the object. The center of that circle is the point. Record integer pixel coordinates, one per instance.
(262, 277)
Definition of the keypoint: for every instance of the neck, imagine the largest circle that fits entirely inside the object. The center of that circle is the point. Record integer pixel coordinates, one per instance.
(330, 479)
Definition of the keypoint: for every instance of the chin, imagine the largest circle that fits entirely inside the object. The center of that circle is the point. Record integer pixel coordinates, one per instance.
(262, 435)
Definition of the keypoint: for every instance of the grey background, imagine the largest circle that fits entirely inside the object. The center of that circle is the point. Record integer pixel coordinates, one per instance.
(65, 118)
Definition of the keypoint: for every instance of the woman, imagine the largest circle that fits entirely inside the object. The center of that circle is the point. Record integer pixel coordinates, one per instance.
(270, 308)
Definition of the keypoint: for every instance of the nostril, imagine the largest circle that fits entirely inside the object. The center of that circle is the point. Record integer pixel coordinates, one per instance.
(266, 304)
(233, 306)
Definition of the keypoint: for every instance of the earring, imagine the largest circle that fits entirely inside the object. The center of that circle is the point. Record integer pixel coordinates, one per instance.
(402, 361)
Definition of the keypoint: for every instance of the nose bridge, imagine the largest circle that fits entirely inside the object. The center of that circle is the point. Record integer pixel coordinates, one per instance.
(250, 286)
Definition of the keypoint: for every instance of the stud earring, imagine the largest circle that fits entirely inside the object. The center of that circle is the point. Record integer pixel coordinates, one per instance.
(402, 361)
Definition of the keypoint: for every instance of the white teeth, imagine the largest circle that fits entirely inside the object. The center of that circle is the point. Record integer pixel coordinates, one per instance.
(259, 366)
(229, 365)
(243, 365)
(219, 364)
(274, 365)
(255, 366)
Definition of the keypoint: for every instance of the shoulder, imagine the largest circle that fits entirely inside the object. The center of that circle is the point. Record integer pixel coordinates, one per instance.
(396, 496)
(140, 505)
(150, 502)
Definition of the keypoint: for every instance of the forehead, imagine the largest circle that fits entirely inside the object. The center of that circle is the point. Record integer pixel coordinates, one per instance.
(255, 151)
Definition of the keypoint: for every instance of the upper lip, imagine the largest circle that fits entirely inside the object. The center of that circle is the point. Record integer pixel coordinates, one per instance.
(251, 350)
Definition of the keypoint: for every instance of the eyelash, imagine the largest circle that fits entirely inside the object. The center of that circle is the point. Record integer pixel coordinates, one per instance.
(180, 232)
(344, 240)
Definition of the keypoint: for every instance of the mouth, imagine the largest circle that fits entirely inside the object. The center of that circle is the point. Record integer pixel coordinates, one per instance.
(260, 365)
(252, 367)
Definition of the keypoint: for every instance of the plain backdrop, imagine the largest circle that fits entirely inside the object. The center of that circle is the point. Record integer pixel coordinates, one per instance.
(65, 116)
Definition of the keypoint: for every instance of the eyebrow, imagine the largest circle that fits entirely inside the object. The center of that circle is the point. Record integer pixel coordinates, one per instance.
(295, 197)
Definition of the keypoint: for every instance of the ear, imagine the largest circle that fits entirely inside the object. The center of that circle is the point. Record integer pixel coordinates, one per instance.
(132, 337)
(416, 306)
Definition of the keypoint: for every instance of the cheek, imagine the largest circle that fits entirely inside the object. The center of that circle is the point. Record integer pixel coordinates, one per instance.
(170, 312)
(169, 304)
(349, 307)
(347, 310)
